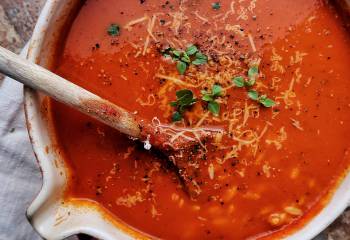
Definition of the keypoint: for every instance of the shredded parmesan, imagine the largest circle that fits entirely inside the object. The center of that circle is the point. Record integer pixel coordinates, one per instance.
(200, 17)
(136, 21)
(296, 124)
(176, 81)
(211, 171)
(151, 100)
(251, 41)
(130, 200)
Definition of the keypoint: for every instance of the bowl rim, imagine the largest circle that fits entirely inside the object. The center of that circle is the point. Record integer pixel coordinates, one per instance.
(47, 203)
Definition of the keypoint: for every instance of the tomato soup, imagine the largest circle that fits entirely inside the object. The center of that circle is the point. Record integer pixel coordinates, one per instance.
(272, 74)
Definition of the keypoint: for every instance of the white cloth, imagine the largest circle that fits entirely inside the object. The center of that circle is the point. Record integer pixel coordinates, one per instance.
(20, 178)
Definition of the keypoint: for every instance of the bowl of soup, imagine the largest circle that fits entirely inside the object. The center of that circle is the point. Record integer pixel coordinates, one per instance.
(273, 75)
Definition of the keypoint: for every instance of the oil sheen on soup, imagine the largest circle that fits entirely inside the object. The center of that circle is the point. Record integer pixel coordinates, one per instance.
(273, 74)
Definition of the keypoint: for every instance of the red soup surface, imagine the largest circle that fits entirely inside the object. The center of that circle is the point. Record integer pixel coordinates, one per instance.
(274, 74)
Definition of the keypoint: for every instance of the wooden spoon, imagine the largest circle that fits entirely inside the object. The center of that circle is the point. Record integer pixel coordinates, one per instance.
(150, 132)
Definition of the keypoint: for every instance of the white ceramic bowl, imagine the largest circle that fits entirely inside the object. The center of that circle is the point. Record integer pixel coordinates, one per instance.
(50, 215)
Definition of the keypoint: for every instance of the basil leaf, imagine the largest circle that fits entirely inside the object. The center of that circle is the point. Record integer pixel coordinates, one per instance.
(176, 53)
(186, 100)
(267, 102)
(253, 71)
(200, 59)
(250, 82)
(186, 58)
(254, 95)
(173, 104)
(203, 92)
(216, 6)
(181, 67)
(176, 116)
(207, 98)
(238, 81)
(183, 92)
(113, 30)
(191, 50)
(214, 107)
(217, 90)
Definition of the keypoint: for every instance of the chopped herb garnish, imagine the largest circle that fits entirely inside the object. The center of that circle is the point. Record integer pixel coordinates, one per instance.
(113, 30)
(216, 5)
(181, 67)
(254, 95)
(217, 89)
(266, 102)
(210, 98)
(214, 107)
(253, 73)
(167, 52)
(184, 58)
(176, 116)
(185, 99)
(177, 53)
(191, 50)
(239, 81)
(200, 59)
(250, 82)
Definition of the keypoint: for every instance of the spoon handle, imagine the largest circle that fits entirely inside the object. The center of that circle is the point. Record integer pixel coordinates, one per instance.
(43, 80)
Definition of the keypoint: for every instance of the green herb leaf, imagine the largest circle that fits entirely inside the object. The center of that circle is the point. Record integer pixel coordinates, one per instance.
(186, 58)
(173, 104)
(203, 92)
(176, 116)
(177, 53)
(252, 74)
(214, 107)
(253, 71)
(182, 93)
(216, 5)
(166, 52)
(185, 97)
(210, 97)
(207, 98)
(217, 90)
(238, 81)
(250, 82)
(254, 95)
(187, 100)
(181, 67)
(184, 100)
(113, 30)
(191, 50)
(267, 102)
(200, 59)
